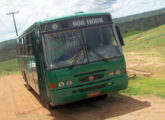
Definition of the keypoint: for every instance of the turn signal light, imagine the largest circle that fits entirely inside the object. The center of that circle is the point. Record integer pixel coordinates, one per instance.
(52, 86)
(125, 70)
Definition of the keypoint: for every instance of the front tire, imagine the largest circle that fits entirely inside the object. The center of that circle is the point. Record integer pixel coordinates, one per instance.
(48, 106)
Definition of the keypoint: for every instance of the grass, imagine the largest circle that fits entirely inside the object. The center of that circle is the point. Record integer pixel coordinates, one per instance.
(146, 85)
(144, 51)
(125, 35)
(9, 67)
(147, 40)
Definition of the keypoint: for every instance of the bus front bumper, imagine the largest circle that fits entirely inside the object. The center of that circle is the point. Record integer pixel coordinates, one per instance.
(68, 95)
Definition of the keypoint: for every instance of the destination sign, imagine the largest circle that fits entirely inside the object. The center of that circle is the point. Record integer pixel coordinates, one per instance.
(75, 22)
(88, 22)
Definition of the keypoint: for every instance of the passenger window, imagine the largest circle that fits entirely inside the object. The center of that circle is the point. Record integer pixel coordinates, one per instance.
(31, 36)
(22, 46)
(25, 46)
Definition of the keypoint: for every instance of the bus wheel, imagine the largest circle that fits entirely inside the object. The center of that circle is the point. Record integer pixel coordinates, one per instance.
(27, 84)
(48, 106)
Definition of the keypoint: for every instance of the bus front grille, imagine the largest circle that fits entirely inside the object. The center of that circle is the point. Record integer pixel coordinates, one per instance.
(88, 73)
(95, 77)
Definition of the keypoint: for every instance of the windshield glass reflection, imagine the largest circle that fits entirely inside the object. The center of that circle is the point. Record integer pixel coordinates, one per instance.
(63, 49)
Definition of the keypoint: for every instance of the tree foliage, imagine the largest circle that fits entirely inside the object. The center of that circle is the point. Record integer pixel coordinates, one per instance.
(7, 50)
(141, 21)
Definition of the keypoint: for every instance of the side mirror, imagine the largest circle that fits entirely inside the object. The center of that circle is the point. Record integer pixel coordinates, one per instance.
(119, 35)
(38, 46)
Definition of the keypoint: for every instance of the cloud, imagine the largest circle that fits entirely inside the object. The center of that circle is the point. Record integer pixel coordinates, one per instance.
(129, 7)
(33, 10)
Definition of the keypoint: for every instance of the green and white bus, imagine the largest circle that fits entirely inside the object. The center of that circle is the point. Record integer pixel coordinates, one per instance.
(72, 58)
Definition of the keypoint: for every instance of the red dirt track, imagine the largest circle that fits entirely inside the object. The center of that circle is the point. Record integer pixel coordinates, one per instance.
(17, 103)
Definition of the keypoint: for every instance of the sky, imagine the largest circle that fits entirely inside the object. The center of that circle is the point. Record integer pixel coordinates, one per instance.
(33, 10)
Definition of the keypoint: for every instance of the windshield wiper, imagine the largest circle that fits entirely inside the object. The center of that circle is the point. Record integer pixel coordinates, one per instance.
(75, 60)
(96, 53)
(78, 55)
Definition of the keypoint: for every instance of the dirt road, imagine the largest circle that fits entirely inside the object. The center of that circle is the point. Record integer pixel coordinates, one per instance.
(17, 103)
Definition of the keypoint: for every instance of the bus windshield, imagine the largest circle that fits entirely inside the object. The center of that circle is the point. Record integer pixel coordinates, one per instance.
(101, 43)
(63, 49)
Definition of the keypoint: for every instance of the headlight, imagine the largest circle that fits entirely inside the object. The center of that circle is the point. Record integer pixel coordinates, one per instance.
(118, 72)
(111, 74)
(61, 84)
(69, 82)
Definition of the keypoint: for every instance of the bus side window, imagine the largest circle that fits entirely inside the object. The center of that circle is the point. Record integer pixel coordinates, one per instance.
(28, 44)
(22, 46)
(31, 35)
(19, 44)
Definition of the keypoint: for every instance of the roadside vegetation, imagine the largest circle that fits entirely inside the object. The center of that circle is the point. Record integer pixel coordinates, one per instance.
(8, 50)
(146, 85)
(144, 52)
(9, 67)
(144, 21)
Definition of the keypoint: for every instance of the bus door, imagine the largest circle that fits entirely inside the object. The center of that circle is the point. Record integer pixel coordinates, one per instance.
(35, 76)
(29, 74)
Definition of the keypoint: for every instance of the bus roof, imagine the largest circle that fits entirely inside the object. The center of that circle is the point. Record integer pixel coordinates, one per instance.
(71, 16)
(76, 15)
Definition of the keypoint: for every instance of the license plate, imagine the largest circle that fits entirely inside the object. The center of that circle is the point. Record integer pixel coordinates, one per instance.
(92, 94)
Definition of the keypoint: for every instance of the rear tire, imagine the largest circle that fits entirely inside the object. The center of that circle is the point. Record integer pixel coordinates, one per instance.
(27, 84)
